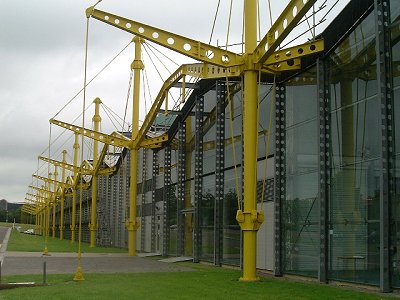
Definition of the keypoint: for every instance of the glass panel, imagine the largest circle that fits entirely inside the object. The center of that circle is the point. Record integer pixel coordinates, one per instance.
(355, 159)
(266, 123)
(395, 10)
(231, 229)
(233, 127)
(188, 217)
(207, 218)
(209, 150)
(301, 225)
(300, 207)
(172, 216)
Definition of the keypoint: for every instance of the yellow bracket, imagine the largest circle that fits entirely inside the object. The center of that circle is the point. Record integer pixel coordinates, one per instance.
(250, 220)
(93, 226)
(132, 225)
(186, 46)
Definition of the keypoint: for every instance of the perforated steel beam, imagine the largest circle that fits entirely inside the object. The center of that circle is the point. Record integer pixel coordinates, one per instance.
(385, 95)
(219, 171)
(143, 202)
(198, 178)
(280, 174)
(166, 197)
(324, 169)
(188, 47)
(153, 202)
(181, 187)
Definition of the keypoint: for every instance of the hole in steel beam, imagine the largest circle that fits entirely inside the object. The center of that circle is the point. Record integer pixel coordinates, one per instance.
(294, 11)
(225, 58)
(209, 54)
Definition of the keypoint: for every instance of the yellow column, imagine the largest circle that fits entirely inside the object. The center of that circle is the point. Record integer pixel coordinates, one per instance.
(54, 197)
(250, 220)
(47, 215)
(93, 221)
(73, 217)
(131, 224)
(62, 199)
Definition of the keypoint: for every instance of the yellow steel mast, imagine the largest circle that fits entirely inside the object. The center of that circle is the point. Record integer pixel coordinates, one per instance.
(250, 134)
(76, 177)
(93, 220)
(61, 226)
(132, 224)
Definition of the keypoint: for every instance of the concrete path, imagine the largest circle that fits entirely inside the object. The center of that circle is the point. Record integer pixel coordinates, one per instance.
(60, 263)
(4, 236)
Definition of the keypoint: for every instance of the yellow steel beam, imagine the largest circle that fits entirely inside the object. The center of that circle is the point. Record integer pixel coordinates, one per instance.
(96, 167)
(186, 46)
(66, 166)
(41, 190)
(113, 140)
(208, 71)
(288, 54)
(155, 142)
(151, 115)
(74, 169)
(49, 180)
(288, 19)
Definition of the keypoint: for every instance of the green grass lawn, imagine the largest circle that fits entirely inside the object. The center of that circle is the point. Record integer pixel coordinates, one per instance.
(35, 243)
(206, 283)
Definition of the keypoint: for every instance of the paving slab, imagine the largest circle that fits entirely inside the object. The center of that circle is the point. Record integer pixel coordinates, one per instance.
(16, 263)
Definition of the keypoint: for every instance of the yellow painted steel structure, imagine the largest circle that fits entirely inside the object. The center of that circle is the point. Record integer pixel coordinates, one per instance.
(215, 63)
(93, 220)
(261, 57)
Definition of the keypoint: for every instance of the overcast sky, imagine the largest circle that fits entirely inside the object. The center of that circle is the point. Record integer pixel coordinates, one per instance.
(42, 50)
